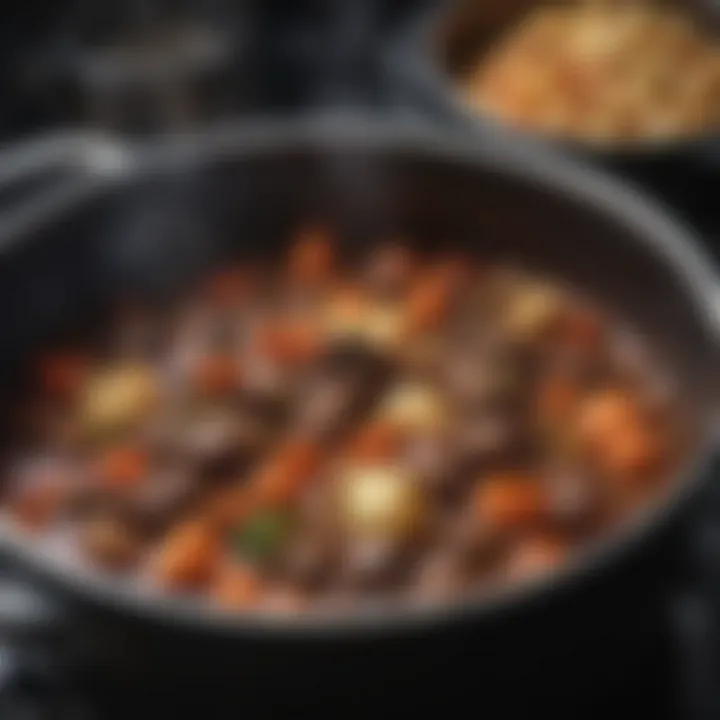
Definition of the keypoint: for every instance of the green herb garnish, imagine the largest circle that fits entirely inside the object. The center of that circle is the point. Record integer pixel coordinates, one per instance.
(262, 535)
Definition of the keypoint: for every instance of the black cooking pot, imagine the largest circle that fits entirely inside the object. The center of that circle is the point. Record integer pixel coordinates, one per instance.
(105, 219)
(429, 55)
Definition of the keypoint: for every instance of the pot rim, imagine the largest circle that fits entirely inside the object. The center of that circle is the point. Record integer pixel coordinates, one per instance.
(335, 132)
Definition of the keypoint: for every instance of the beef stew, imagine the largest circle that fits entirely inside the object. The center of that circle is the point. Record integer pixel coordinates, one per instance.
(330, 431)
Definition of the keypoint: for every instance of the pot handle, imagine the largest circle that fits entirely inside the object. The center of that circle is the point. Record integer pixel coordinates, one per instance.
(42, 177)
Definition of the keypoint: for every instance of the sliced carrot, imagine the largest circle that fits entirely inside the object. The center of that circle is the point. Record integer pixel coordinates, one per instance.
(122, 466)
(236, 586)
(312, 255)
(632, 455)
(509, 502)
(292, 343)
(216, 374)
(189, 556)
(428, 300)
(604, 414)
(63, 374)
(281, 479)
(426, 305)
(377, 441)
(348, 301)
(615, 431)
(345, 307)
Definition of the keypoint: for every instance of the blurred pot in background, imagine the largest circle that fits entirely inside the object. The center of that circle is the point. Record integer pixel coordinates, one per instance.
(481, 65)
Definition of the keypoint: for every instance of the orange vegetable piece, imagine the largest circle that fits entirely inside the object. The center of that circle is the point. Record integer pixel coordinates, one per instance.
(293, 343)
(62, 374)
(216, 374)
(429, 299)
(377, 441)
(632, 454)
(189, 556)
(606, 414)
(510, 502)
(236, 586)
(349, 301)
(280, 479)
(122, 466)
(427, 303)
(535, 556)
(312, 255)
(612, 426)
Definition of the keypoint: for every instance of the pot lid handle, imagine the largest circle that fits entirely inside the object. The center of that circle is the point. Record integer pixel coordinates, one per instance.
(44, 176)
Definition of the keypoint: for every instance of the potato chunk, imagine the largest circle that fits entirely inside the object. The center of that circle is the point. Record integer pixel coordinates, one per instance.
(413, 406)
(118, 398)
(531, 311)
(381, 502)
